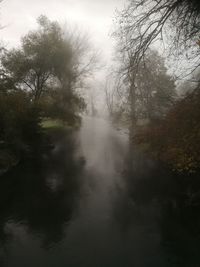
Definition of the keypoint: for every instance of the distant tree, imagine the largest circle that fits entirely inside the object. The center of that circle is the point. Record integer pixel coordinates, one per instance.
(110, 95)
(155, 89)
(115, 97)
(149, 90)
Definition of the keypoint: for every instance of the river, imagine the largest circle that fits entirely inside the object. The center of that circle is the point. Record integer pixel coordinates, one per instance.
(75, 208)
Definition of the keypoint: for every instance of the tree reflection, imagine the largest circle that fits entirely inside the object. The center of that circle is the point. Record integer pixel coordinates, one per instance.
(41, 194)
(158, 202)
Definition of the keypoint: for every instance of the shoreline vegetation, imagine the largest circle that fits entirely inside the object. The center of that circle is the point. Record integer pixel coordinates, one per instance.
(50, 132)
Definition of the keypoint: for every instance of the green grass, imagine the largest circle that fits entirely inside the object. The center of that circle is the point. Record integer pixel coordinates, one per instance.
(48, 124)
(54, 125)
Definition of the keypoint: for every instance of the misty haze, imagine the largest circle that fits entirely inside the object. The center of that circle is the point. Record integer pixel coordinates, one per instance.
(100, 133)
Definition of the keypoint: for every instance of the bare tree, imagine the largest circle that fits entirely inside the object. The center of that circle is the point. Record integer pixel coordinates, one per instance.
(109, 96)
(116, 98)
(142, 23)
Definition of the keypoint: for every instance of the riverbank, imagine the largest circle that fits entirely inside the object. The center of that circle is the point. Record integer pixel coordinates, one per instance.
(51, 130)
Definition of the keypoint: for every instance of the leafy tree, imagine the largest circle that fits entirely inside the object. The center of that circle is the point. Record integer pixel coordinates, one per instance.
(35, 64)
(155, 89)
(51, 66)
(47, 58)
(38, 80)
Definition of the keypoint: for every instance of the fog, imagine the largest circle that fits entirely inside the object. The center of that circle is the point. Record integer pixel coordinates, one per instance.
(92, 16)
(99, 139)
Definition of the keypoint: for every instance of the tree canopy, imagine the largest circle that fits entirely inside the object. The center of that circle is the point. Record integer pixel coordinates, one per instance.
(48, 57)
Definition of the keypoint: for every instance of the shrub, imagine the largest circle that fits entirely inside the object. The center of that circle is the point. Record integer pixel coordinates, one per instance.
(176, 140)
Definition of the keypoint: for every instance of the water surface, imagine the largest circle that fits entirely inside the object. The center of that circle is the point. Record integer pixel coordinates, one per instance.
(74, 207)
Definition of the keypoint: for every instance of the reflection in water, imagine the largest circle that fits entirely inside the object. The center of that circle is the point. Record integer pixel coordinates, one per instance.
(37, 199)
(164, 197)
(82, 205)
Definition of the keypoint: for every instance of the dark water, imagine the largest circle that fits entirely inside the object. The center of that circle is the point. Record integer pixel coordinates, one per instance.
(77, 206)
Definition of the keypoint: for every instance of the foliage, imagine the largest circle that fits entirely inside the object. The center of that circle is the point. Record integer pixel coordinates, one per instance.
(48, 66)
(39, 80)
(19, 126)
(175, 141)
(62, 105)
(43, 58)
(149, 96)
(155, 89)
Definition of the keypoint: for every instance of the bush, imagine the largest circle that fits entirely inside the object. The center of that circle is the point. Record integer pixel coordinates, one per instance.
(19, 121)
(176, 140)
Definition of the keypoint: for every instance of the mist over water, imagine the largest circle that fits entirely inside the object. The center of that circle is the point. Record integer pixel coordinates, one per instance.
(74, 208)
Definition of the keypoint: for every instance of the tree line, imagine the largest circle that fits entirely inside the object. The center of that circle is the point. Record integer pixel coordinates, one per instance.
(148, 33)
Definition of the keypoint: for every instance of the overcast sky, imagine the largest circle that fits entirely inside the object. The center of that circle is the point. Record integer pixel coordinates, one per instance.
(93, 16)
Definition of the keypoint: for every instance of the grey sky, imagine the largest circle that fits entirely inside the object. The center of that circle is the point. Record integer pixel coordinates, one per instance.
(94, 16)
